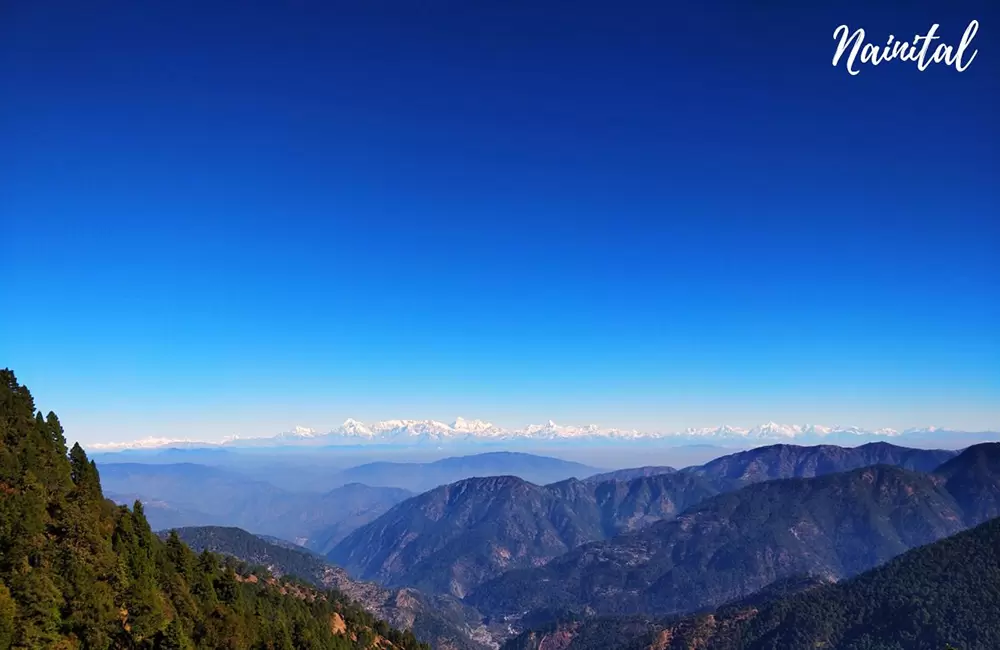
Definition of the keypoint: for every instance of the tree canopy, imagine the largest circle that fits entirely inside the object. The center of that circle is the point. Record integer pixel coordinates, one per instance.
(79, 572)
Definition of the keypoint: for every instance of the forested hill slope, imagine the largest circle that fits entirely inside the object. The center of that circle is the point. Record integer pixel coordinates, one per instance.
(77, 571)
(941, 595)
(442, 621)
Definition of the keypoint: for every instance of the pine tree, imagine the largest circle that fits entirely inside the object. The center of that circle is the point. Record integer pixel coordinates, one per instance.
(175, 638)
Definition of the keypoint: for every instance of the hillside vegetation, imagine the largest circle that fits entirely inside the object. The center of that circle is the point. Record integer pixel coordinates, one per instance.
(440, 620)
(77, 571)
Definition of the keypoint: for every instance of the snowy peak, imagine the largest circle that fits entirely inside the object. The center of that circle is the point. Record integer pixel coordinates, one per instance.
(410, 432)
(462, 429)
(352, 427)
(472, 426)
(144, 443)
(773, 430)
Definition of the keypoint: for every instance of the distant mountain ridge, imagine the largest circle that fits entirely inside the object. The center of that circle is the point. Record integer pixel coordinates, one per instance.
(419, 477)
(734, 544)
(630, 473)
(186, 494)
(453, 538)
(410, 432)
(726, 547)
(794, 461)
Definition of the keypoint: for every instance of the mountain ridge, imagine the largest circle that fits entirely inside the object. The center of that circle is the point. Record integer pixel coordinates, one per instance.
(451, 552)
(759, 533)
(932, 597)
(769, 530)
(450, 539)
(409, 432)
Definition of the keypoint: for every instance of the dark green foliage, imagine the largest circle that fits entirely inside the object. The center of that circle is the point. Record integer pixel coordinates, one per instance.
(7, 612)
(440, 620)
(251, 549)
(76, 571)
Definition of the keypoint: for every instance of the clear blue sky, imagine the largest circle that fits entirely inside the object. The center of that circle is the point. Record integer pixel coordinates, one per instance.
(243, 217)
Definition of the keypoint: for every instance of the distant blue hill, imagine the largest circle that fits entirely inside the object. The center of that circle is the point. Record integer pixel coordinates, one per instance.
(420, 477)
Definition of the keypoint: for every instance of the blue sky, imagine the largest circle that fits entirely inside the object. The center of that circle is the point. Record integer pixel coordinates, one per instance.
(221, 220)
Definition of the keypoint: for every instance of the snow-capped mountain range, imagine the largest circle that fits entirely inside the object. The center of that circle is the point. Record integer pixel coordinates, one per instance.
(415, 432)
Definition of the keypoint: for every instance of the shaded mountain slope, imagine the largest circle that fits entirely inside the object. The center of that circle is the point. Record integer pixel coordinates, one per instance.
(630, 473)
(793, 461)
(941, 595)
(457, 536)
(637, 503)
(973, 477)
(452, 539)
(734, 544)
(319, 522)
